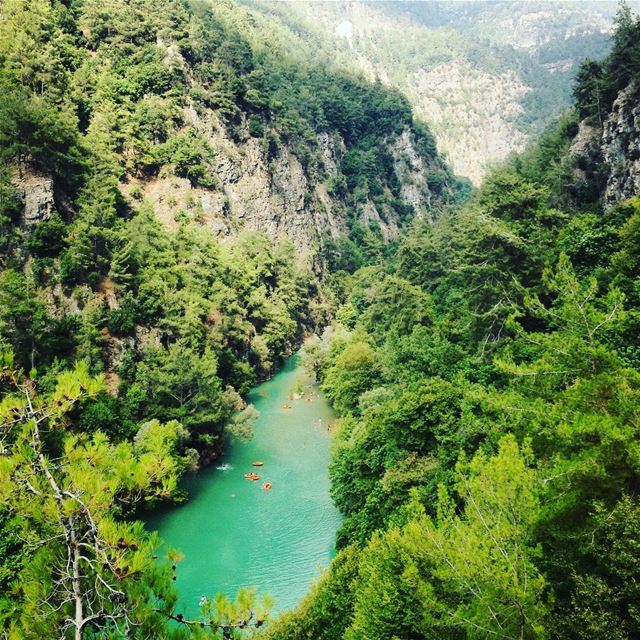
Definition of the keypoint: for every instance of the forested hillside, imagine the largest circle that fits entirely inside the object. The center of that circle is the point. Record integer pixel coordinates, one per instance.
(173, 191)
(187, 191)
(485, 76)
(117, 205)
(488, 379)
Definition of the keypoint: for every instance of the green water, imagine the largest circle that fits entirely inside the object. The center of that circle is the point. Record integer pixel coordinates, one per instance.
(232, 532)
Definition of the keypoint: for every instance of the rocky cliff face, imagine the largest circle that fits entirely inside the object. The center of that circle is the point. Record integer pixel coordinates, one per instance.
(411, 171)
(608, 157)
(270, 190)
(35, 191)
(621, 146)
(254, 189)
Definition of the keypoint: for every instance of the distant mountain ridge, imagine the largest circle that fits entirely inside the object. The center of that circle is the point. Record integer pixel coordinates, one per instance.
(485, 76)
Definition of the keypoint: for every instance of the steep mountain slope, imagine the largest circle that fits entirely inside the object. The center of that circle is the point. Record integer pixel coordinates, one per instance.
(607, 147)
(485, 76)
(174, 190)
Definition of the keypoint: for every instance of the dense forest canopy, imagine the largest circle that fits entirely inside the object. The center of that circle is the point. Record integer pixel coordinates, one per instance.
(128, 340)
(485, 368)
(95, 97)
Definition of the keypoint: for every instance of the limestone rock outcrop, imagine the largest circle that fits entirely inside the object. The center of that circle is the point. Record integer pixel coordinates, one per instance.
(35, 191)
(272, 191)
(621, 146)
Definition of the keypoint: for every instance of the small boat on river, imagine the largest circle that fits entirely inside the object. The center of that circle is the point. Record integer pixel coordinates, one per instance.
(257, 463)
(252, 476)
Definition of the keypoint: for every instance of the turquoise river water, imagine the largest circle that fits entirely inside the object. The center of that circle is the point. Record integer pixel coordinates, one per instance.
(232, 532)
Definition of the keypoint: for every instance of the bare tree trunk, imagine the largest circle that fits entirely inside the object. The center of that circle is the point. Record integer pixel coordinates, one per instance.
(75, 583)
(598, 96)
(70, 534)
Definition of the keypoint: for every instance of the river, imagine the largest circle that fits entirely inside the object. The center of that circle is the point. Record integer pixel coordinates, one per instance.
(232, 532)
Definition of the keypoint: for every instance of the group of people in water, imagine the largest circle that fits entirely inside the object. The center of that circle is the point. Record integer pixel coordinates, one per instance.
(298, 396)
(252, 475)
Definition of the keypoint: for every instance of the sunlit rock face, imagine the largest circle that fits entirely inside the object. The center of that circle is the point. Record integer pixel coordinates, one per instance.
(271, 190)
(621, 146)
(35, 191)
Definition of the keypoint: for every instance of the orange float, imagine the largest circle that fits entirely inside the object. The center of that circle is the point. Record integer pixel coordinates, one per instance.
(266, 486)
